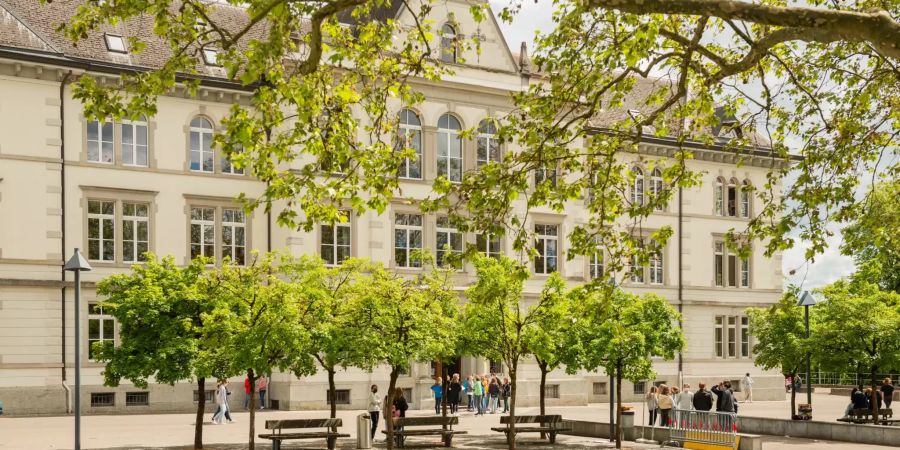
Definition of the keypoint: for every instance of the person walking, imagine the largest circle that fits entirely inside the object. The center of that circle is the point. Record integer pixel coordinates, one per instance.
(702, 400)
(467, 390)
(652, 405)
(262, 385)
(221, 402)
(374, 408)
(506, 393)
(665, 404)
(494, 392)
(454, 392)
(247, 392)
(887, 389)
(685, 400)
(438, 392)
(747, 386)
(477, 394)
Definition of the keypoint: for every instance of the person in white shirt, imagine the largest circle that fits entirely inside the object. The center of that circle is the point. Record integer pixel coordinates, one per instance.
(685, 401)
(221, 402)
(747, 386)
(374, 408)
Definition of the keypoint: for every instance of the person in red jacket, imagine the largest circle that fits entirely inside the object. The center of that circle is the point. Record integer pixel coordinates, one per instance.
(247, 392)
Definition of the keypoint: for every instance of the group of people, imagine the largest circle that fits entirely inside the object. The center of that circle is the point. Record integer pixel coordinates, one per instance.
(480, 394)
(223, 409)
(862, 398)
(662, 399)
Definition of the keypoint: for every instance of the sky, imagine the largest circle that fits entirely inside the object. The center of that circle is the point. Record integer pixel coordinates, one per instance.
(828, 267)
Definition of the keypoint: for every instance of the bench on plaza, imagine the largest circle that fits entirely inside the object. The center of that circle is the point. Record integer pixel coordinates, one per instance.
(284, 430)
(549, 424)
(864, 415)
(402, 428)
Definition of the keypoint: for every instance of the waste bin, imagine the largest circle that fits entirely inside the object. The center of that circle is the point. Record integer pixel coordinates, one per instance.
(363, 431)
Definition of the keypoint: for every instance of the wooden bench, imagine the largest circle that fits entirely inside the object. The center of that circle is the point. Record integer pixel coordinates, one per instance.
(549, 424)
(402, 428)
(863, 415)
(286, 429)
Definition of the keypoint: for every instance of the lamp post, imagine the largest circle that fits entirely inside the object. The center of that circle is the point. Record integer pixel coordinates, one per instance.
(77, 264)
(807, 300)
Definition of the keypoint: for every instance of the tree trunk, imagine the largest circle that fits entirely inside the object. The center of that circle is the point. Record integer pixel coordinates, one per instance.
(332, 392)
(543, 393)
(251, 443)
(511, 434)
(445, 387)
(201, 409)
(793, 396)
(388, 413)
(618, 406)
(874, 396)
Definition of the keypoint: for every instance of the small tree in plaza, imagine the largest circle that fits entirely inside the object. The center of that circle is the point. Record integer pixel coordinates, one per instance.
(545, 336)
(260, 323)
(857, 325)
(160, 315)
(780, 338)
(620, 332)
(330, 291)
(497, 323)
(396, 321)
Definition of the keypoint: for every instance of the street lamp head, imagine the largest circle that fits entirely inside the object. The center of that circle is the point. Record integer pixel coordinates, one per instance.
(806, 299)
(77, 263)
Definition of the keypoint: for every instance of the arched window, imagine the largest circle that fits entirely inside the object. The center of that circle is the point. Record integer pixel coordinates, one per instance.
(410, 136)
(134, 142)
(656, 186)
(201, 145)
(745, 198)
(637, 187)
(449, 148)
(448, 43)
(732, 198)
(488, 144)
(720, 196)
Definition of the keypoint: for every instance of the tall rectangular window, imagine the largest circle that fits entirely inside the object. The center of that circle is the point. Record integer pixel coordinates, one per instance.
(101, 328)
(203, 232)
(449, 241)
(101, 230)
(547, 246)
(719, 336)
(229, 168)
(745, 273)
(545, 173)
(489, 245)
(234, 240)
(488, 143)
(407, 239)
(134, 143)
(201, 135)
(336, 239)
(732, 337)
(100, 142)
(656, 268)
(449, 148)
(745, 337)
(409, 135)
(596, 267)
(135, 231)
(638, 271)
(730, 269)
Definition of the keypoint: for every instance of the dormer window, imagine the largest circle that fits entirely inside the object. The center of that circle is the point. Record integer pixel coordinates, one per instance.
(448, 43)
(211, 57)
(115, 43)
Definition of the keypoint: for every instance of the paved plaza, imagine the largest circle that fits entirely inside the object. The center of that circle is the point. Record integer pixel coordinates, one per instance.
(176, 430)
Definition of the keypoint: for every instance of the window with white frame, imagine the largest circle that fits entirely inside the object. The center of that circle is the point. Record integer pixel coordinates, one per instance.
(135, 231)
(228, 167)
(101, 328)
(489, 244)
(745, 337)
(448, 43)
(547, 246)
(449, 242)
(410, 136)
(656, 186)
(731, 333)
(234, 239)
(637, 186)
(449, 148)
(637, 270)
(731, 203)
(102, 230)
(656, 268)
(100, 142)
(407, 239)
(134, 142)
(203, 232)
(745, 199)
(201, 137)
(546, 173)
(336, 241)
(115, 43)
(596, 267)
(720, 196)
(719, 336)
(488, 144)
(730, 269)
(731, 337)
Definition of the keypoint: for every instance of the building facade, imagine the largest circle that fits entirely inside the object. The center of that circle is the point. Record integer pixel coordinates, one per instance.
(115, 190)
